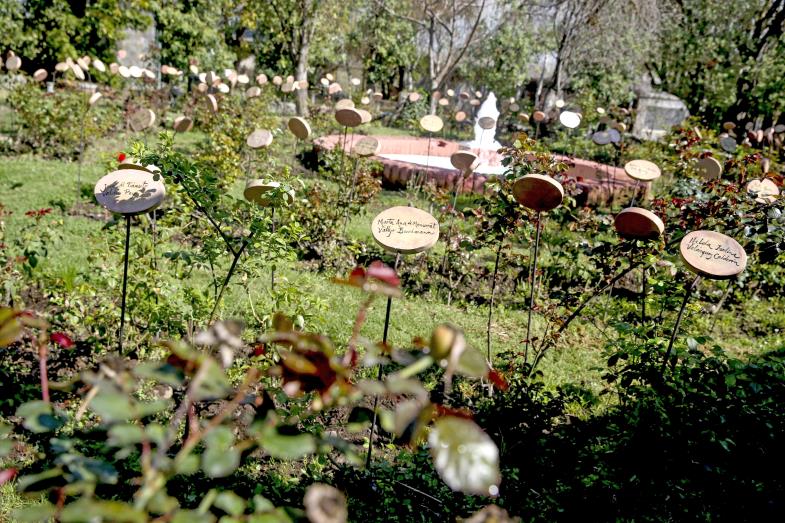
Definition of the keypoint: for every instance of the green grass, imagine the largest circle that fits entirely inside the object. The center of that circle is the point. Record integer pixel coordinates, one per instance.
(30, 183)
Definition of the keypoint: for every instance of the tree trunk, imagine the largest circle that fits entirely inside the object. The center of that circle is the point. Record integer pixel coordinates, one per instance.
(301, 72)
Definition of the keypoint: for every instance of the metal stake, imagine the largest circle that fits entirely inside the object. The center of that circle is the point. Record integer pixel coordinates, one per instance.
(379, 373)
(272, 269)
(687, 295)
(125, 282)
(532, 287)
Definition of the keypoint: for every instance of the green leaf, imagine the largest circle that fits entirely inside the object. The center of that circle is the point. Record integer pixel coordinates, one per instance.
(220, 458)
(112, 406)
(89, 509)
(9, 326)
(38, 416)
(465, 457)
(214, 384)
(472, 364)
(35, 513)
(282, 446)
(188, 465)
(230, 503)
(125, 435)
(192, 516)
(276, 516)
(40, 481)
(262, 504)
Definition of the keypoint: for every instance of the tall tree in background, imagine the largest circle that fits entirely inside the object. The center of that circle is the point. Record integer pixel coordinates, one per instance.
(207, 30)
(45, 32)
(296, 30)
(448, 27)
(383, 44)
(724, 63)
(597, 43)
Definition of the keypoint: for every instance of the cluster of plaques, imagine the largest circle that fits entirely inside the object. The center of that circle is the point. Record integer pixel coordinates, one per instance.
(183, 124)
(132, 189)
(256, 192)
(299, 128)
(606, 137)
(367, 146)
(259, 139)
(141, 120)
(639, 224)
(464, 161)
(13, 62)
(728, 144)
(431, 123)
(212, 103)
(642, 170)
(349, 117)
(538, 192)
(486, 122)
(765, 191)
(713, 255)
(709, 168)
(570, 119)
(635, 222)
(405, 230)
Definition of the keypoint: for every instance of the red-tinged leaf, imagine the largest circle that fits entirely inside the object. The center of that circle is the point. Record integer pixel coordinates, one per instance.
(498, 380)
(10, 328)
(7, 475)
(383, 273)
(121, 157)
(259, 349)
(442, 410)
(357, 277)
(62, 340)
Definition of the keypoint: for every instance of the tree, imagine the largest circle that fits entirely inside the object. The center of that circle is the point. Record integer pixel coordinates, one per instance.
(205, 30)
(448, 26)
(44, 32)
(290, 32)
(723, 64)
(597, 40)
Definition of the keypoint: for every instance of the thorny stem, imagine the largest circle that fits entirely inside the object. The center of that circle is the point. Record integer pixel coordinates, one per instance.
(209, 217)
(380, 373)
(229, 275)
(43, 356)
(675, 332)
(251, 376)
(547, 344)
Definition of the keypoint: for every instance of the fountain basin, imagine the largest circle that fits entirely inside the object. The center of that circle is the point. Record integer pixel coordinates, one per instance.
(404, 157)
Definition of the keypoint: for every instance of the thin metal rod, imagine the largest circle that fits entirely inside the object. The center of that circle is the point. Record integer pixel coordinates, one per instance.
(532, 287)
(272, 269)
(343, 150)
(643, 296)
(458, 185)
(125, 282)
(294, 152)
(635, 192)
(379, 374)
(493, 295)
(687, 295)
(351, 196)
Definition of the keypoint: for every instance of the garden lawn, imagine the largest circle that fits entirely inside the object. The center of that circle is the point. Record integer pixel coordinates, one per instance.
(29, 183)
